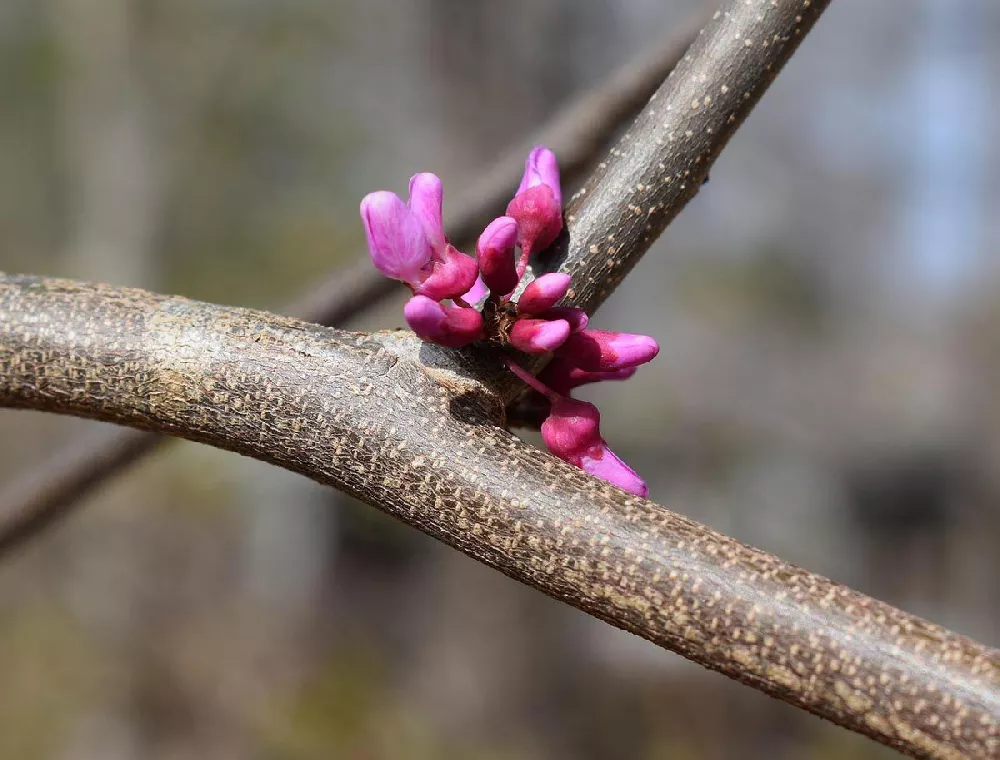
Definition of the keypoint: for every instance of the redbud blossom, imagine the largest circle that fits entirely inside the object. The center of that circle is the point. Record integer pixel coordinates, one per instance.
(538, 336)
(572, 433)
(537, 205)
(543, 293)
(495, 251)
(444, 324)
(601, 351)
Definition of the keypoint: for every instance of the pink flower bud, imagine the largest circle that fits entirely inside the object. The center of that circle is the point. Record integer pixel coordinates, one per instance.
(537, 205)
(396, 239)
(602, 351)
(538, 336)
(541, 168)
(426, 197)
(446, 325)
(542, 293)
(562, 376)
(572, 433)
(577, 318)
(452, 274)
(495, 250)
(539, 218)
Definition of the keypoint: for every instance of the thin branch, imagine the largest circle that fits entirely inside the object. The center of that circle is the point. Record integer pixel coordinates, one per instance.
(418, 432)
(664, 158)
(578, 132)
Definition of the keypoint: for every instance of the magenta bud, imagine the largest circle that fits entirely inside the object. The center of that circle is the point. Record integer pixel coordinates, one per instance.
(495, 250)
(538, 336)
(602, 351)
(453, 273)
(446, 325)
(543, 293)
(539, 218)
(572, 433)
(577, 318)
(562, 376)
(396, 239)
(426, 198)
(541, 168)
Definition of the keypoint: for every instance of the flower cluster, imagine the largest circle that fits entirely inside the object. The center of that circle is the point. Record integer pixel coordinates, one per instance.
(458, 300)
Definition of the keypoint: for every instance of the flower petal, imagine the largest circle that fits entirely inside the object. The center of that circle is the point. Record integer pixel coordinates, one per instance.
(601, 350)
(538, 336)
(453, 273)
(542, 168)
(426, 197)
(603, 463)
(476, 293)
(572, 433)
(396, 239)
(539, 217)
(543, 293)
(577, 318)
(446, 325)
(495, 251)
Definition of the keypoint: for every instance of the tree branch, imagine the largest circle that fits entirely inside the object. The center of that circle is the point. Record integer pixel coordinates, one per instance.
(417, 431)
(663, 160)
(577, 133)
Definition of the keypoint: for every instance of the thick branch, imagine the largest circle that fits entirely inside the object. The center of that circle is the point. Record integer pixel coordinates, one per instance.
(577, 133)
(414, 430)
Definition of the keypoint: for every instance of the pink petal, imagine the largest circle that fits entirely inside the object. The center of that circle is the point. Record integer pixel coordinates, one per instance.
(476, 293)
(542, 293)
(577, 318)
(446, 325)
(538, 336)
(603, 463)
(453, 274)
(426, 197)
(538, 215)
(396, 239)
(601, 350)
(572, 433)
(572, 428)
(542, 168)
(495, 251)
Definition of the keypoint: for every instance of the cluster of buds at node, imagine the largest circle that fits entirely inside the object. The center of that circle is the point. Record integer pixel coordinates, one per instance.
(458, 300)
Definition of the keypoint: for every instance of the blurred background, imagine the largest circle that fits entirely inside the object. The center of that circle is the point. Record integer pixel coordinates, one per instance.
(828, 310)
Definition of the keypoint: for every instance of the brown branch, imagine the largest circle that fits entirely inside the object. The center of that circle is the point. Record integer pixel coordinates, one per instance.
(578, 132)
(664, 158)
(417, 431)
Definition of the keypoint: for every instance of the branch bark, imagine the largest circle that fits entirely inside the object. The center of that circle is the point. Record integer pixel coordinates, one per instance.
(577, 133)
(418, 431)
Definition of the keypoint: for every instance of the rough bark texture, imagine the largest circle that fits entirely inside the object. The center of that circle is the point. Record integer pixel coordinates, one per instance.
(663, 160)
(417, 431)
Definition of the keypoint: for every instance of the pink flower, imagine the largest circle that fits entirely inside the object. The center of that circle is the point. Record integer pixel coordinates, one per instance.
(538, 336)
(495, 250)
(603, 351)
(407, 241)
(444, 324)
(396, 239)
(542, 293)
(572, 433)
(537, 205)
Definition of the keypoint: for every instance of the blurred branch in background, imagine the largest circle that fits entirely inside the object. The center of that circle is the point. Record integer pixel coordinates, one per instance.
(577, 133)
